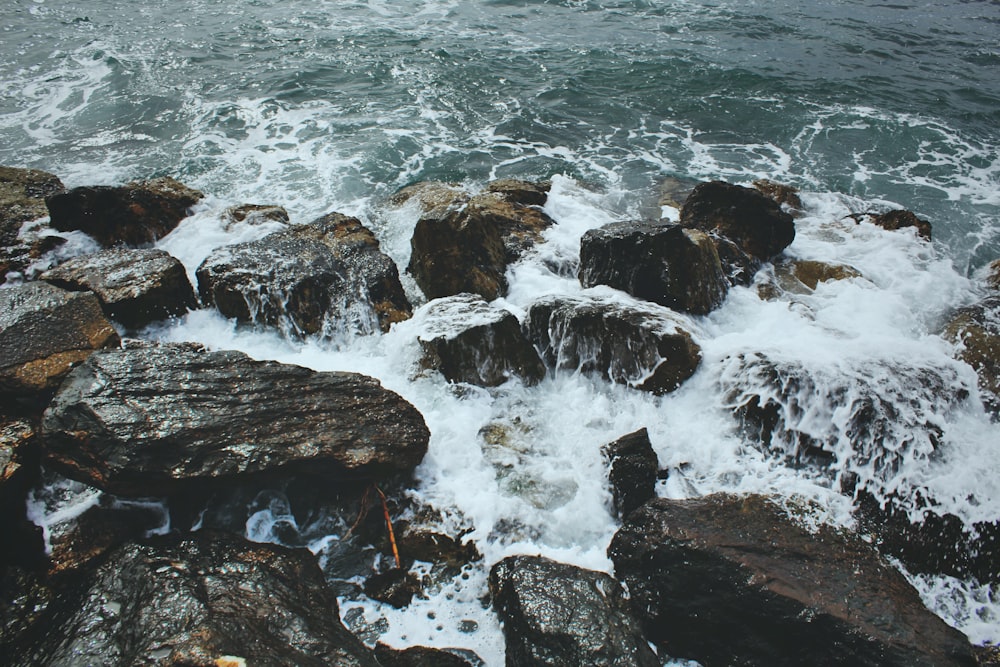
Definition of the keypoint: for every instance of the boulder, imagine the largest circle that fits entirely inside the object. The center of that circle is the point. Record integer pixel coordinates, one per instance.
(435, 198)
(44, 332)
(976, 331)
(663, 263)
(468, 340)
(784, 195)
(207, 600)
(727, 580)
(19, 472)
(22, 199)
(320, 278)
(633, 471)
(525, 193)
(254, 214)
(642, 346)
(135, 214)
(135, 287)
(900, 219)
(520, 226)
(155, 420)
(420, 656)
(557, 614)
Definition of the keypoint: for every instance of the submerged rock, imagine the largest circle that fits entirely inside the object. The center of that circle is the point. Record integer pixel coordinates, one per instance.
(557, 614)
(633, 471)
(663, 263)
(157, 420)
(643, 347)
(468, 340)
(135, 287)
(976, 330)
(900, 219)
(254, 214)
(727, 580)
(317, 278)
(22, 199)
(674, 191)
(135, 214)
(803, 276)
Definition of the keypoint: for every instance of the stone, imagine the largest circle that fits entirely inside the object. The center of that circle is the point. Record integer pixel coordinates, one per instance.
(155, 420)
(135, 287)
(645, 347)
(20, 461)
(784, 195)
(435, 198)
(395, 587)
(520, 225)
(468, 340)
(674, 191)
(322, 278)
(633, 471)
(44, 332)
(993, 275)
(900, 219)
(729, 580)
(420, 656)
(254, 215)
(525, 193)
(803, 276)
(975, 330)
(136, 214)
(558, 614)
(22, 199)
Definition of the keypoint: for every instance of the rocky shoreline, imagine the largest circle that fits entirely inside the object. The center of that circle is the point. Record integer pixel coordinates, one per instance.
(207, 433)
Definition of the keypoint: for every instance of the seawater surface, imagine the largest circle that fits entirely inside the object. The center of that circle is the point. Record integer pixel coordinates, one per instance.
(331, 106)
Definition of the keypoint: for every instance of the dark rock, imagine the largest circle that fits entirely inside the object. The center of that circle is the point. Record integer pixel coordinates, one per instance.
(318, 278)
(158, 419)
(900, 219)
(993, 275)
(557, 614)
(803, 276)
(418, 543)
(20, 460)
(395, 587)
(525, 193)
(663, 263)
(976, 330)
(204, 601)
(26, 597)
(643, 347)
(420, 656)
(468, 340)
(44, 332)
(255, 214)
(754, 222)
(784, 195)
(135, 287)
(520, 226)
(135, 214)
(633, 470)
(22, 199)
(731, 581)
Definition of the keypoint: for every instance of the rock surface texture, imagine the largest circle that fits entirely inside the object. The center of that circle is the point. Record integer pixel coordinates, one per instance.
(22, 199)
(976, 329)
(633, 471)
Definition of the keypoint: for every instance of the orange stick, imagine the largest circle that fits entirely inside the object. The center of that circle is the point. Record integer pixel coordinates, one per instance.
(388, 524)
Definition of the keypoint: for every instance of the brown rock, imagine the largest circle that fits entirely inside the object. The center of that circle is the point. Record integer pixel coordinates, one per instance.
(977, 330)
(784, 195)
(900, 219)
(22, 199)
(255, 214)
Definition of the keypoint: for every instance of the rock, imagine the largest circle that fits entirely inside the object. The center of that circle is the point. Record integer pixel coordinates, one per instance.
(468, 340)
(420, 656)
(254, 214)
(22, 199)
(976, 330)
(155, 420)
(900, 219)
(320, 278)
(993, 275)
(135, 287)
(784, 195)
(557, 614)
(27, 596)
(436, 199)
(19, 472)
(208, 600)
(395, 587)
(520, 226)
(643, 347)
(525, 193)
(633, 471)
(675, 190)
(663, 263)
(135, 214)
(732, 581)
(44, 332)
(753, 222)
(803, 276)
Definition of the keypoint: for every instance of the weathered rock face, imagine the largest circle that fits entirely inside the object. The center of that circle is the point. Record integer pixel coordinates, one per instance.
(199, 601)
(319, 278)
(155, 420)
(135, 214)
(663, 263)
(255, 214)
(135, 287)
(645, 348)
(19, 471)
(418, 656)
(633, 470)
(753, 222)
(731, 581)
(525, 193)
(22, 198)
(520, 226)
(557, 614)
(435, 198)
(901, 219)
(468, 340)
(784, 195)
(44, 332)
(977, 330)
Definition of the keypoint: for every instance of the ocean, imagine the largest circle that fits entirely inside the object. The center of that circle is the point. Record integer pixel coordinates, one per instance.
(327, 106)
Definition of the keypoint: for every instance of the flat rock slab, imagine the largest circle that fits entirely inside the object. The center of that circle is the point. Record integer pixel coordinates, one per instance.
(150, 420)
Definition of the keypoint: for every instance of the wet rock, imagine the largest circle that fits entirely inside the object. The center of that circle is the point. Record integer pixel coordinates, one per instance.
(784, 195)
(22, 199)
(520, 226)
(901, 219)
(663, 263)
(20, 460)
(754, 223)
(44, 332)
(320, 278)
(27, 596)
(803, 276)
(468, 340)
(135, 287)
(557, 614)
(395, 587)
(135, 214)
(198, 601)
(435, 198)
(643, 347)
(420, 656)
(156, 420)
(728, 580)
(254, 214)
(976, 330)
(525, 193)
(633, 471)
(993, 275)
(674, 191)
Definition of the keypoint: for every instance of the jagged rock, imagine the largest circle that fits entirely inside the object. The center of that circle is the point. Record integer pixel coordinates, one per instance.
(900, 219)
(19, 471)
(204, 601)
(633, 470)
(748, 226)
(727, 580)
(436, 199)
(318, 278)
(156, 420)
(468, 340)
(976, 330)
(557, 614)
(520, 225)
(993, 275)
(395, 587)
(420, 656)
(22, 199)
(643, 347)
(135, 287)
(784, 195)
(663, 263)
(525, 193)
(254, 214)
(44, 332)
(803, 276)
(135, 214)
